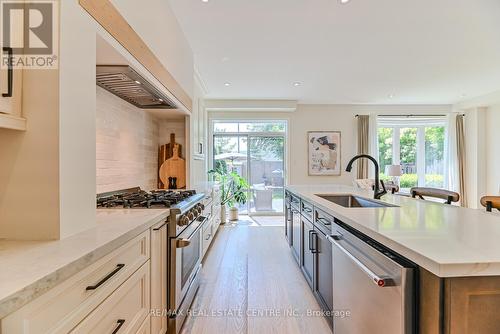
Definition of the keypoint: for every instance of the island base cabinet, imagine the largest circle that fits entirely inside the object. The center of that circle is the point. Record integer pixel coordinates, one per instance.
(308, 240)
(459, 305)
(296, 244)
(124, 311)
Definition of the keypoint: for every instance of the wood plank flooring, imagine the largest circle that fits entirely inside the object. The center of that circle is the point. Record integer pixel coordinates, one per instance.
(252, 284)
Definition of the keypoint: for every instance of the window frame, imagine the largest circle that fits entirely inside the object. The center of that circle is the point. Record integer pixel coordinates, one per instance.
(398, 123)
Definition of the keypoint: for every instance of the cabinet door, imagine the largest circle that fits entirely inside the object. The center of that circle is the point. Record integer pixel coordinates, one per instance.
(324, 279)
(159, 279)
(11, 104)
(296, 234)
(307, 250)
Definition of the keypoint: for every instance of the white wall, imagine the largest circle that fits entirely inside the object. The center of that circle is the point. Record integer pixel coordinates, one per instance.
(323, 118)
(482, 126)
(493, 150)
(76, 119)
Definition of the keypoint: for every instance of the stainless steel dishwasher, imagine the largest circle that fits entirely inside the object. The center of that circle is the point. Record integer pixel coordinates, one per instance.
(373, 288)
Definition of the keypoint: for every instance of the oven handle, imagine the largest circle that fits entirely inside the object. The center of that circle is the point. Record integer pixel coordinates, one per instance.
(184, 242)
(378, 280)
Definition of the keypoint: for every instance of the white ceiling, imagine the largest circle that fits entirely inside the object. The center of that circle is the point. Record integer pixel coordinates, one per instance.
(419, 51)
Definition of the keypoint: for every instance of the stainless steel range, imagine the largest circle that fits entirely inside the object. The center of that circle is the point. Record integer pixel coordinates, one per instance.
(185, 241)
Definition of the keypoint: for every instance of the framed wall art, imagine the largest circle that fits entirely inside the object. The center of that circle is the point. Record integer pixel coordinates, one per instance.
(324, 149)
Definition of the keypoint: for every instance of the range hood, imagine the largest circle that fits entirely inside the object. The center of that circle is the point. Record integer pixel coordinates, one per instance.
(124, 82)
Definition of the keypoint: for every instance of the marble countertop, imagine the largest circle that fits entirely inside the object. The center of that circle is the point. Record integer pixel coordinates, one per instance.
(449, 241)
(30, 268)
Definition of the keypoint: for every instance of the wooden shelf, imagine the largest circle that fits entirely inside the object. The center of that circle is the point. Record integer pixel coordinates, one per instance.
(12, 122)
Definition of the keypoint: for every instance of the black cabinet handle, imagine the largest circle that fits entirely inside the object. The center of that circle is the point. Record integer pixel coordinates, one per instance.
(315, 243)
(158, 228)
(10, 72)
(310, 240)
(108, 276)
(306, 209)
(119, 324)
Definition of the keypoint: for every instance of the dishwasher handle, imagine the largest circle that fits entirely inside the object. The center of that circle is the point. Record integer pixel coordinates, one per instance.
(381, 281)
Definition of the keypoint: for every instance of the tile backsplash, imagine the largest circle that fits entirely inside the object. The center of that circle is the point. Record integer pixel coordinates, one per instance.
(126, 144)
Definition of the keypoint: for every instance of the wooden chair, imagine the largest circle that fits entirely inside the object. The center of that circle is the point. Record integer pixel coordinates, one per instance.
(448, 196)
(491, 202)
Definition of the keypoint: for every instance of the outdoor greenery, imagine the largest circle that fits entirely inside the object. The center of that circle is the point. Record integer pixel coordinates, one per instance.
(233, 187)
(434, 154)
(267, 145)
(411, 180)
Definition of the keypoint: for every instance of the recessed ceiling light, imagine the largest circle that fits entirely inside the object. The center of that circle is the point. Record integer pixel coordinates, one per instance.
(204, 0)
(344, 1)
(137, 82)
(391, 96)
(227, 84)
(161, 100)
(296, 83)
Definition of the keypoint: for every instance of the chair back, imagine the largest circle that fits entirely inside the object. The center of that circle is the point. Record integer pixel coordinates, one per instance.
(491, 202)
(447, 195)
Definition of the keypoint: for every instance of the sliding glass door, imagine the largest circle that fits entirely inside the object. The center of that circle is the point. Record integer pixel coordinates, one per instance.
(232, 151)
(266, 173)
(256, 151)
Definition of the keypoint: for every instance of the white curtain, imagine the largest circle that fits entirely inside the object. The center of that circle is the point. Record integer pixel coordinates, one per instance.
(373, 142)
(451, 156)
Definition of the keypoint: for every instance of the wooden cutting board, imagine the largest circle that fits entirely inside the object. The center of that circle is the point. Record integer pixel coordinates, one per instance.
(165, 152)
(174, 167)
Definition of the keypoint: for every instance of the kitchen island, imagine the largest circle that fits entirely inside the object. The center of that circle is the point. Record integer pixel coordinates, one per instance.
(455, 251)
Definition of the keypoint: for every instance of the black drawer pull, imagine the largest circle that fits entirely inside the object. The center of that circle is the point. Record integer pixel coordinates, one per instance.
(108, 276)
(158, 228)
(119, 323)
(308, 210)
(10, 72)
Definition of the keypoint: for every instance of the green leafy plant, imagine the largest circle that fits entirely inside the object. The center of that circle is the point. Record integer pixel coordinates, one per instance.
(233, 187)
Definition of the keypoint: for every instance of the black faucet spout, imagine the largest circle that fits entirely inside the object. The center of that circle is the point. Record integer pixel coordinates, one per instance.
(378, 193)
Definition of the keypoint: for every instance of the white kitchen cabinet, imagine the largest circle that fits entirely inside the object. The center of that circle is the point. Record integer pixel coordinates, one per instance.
(159, 321)
(63, 307)
(124, 311)
(199, 122)
(11, 84)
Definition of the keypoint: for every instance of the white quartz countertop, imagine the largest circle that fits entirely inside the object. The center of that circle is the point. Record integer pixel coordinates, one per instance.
(30, 268)
(449, 241)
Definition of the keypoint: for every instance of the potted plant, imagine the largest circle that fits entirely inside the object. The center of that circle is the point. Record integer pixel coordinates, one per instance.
(233, 188)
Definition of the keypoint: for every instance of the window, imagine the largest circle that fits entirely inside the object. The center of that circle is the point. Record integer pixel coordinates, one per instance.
(418, 145)
(256, 151)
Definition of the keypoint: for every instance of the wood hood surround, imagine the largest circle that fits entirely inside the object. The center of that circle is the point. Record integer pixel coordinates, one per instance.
(48, 173)
(115, 24)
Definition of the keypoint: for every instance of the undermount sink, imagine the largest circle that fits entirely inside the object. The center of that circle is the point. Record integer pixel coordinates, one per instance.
(353, 201)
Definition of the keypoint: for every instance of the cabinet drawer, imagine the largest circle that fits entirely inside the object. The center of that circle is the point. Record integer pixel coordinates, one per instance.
(306, 209)
(62, 308)
(124, 311)
(207, 235)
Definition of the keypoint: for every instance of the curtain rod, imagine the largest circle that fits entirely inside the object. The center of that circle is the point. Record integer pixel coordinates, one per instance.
(413, 115)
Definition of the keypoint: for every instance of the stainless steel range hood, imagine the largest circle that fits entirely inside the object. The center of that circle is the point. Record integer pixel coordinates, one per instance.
(124, 82)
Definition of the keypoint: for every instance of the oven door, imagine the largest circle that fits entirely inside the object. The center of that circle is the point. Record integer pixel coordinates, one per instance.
(186, 252)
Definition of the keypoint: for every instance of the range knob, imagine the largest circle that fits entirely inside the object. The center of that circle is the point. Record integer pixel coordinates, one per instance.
(183, 221)
(190, 215)
(199, 208)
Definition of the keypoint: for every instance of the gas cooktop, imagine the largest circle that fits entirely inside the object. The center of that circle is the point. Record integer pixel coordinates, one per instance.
(138, 198)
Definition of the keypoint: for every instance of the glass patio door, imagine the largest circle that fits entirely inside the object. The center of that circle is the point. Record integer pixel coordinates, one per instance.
(266, 174)
(232, 151)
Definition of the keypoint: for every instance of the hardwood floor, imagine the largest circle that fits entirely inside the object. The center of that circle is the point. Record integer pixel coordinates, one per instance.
(252, 284)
